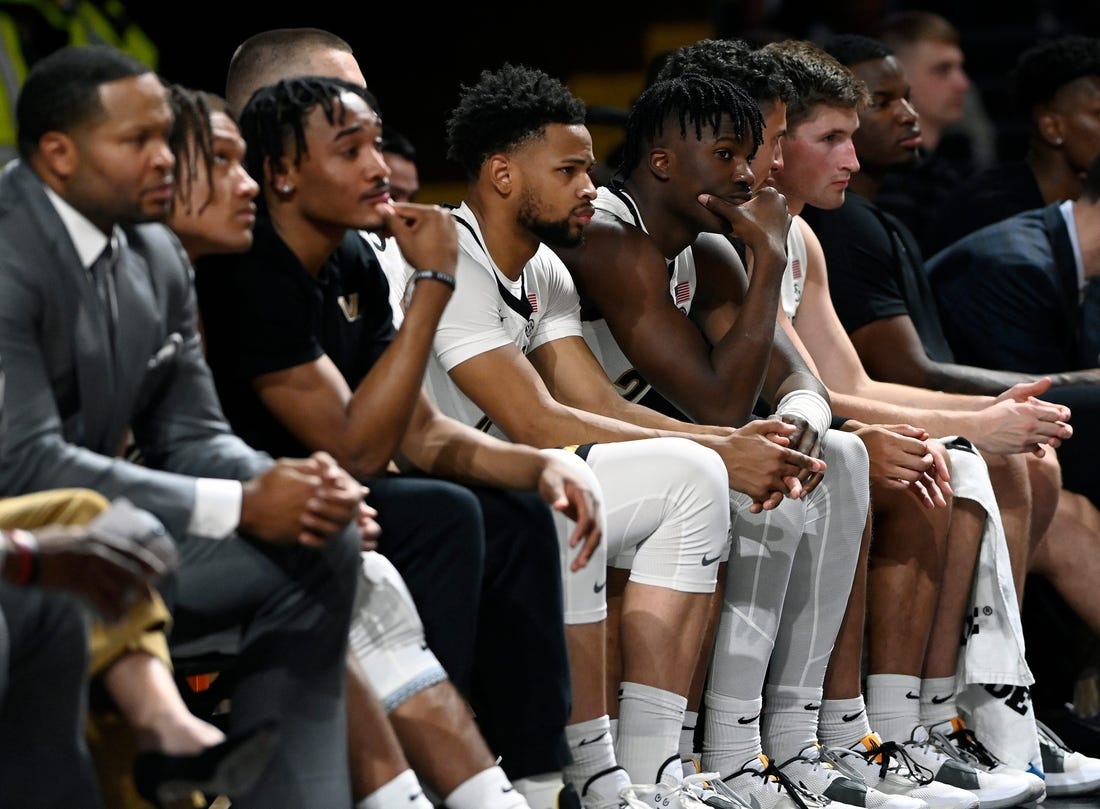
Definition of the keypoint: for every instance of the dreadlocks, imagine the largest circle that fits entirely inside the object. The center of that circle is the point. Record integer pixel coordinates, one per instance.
(734, 60)
(191, 140)
(693, 99)
(278, 111)
(505, 108)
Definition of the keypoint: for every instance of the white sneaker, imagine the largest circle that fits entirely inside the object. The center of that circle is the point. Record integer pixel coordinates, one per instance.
(888, 769)
(762, 785)
(592, 799)
(993, 790)
(621, 802)
(669, 794)
(709, 788)
(1067, 772)
(955, 733)
(810, 770)
(826, 773)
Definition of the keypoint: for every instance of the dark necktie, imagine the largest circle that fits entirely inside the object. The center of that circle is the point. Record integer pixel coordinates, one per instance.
(103, 274)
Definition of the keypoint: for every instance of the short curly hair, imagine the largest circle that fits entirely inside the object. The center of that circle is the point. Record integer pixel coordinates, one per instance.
(1043, 69)
(503, 109)
(851, 49)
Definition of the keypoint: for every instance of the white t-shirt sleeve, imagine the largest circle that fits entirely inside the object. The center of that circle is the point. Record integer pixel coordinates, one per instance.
(470, 324)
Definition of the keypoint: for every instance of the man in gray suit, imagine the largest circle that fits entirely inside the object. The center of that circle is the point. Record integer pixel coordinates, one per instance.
(100, 341)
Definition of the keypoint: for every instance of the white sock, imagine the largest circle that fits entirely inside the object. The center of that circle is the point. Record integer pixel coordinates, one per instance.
(541, 791)
(489, 789)
(614, 729)
(404, 790)
(649, 733)
(687, 737)
(842, 722)
(893, 705)
(593, 755)
(789, 723)
(937, 700)
(732, 734)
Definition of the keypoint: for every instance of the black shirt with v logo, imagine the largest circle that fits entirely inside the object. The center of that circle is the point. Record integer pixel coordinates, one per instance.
(263, 312)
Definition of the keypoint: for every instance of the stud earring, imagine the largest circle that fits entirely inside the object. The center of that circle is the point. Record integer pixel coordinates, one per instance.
(286, 189)
(1057, 141)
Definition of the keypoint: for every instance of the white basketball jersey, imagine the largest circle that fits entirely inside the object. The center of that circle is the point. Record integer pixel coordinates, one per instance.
(794, 277)
(394, 266)
(682, 284)
(488, 310)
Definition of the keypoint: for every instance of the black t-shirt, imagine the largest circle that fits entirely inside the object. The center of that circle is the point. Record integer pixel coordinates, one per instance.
(985, 197)
(876, 271)
(914, 193)
(263, 312)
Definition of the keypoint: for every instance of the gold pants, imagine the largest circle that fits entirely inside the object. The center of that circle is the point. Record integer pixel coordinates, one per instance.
(142, 629)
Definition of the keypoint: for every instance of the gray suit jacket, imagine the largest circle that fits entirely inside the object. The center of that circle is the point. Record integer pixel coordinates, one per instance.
(69, 402)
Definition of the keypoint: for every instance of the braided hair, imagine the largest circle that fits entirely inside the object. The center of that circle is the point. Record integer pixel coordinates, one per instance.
(192, 140)
(692, 100)
(734, 60)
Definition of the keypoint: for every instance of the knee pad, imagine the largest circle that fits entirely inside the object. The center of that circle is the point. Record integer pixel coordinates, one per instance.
(387, 636)
(668, 512)
(583, 591)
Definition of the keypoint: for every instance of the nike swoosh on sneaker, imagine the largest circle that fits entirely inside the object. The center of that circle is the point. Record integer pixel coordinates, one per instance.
(848, 717)
(942, 700)
(747, 720)
(707, 561)
(911, 695)
(598, 588)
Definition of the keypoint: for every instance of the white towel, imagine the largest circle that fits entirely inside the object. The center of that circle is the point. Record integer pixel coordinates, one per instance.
(993, 675)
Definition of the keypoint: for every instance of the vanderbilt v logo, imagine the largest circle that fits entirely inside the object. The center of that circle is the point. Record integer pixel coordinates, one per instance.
(350, 306)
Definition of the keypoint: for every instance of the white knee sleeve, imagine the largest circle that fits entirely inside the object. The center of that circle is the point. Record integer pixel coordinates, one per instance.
(387, 636)
(762, 552)
(807, 546)
(667, 511)
(824, 565)
(583, 591)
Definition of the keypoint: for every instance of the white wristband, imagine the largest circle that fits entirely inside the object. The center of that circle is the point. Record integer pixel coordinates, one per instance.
(809, 406)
